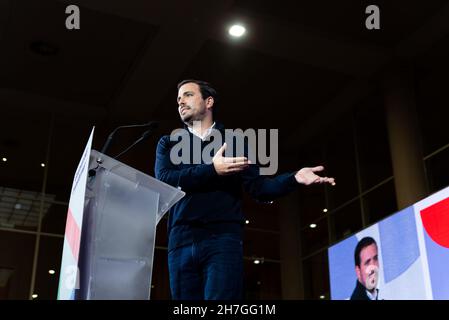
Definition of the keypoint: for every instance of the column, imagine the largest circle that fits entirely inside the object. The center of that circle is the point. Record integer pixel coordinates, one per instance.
(290, 248)
(404, 136)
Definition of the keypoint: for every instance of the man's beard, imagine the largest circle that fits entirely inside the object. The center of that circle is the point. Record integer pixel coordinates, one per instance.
(187, 118)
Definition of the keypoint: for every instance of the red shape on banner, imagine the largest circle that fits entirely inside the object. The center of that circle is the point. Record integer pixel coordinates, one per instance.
(435, 220)
(73, 234)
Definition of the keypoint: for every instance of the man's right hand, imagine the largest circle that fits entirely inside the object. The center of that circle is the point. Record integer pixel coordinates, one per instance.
(228, 165)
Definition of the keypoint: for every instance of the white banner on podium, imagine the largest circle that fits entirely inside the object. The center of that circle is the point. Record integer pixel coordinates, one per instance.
(69, 277)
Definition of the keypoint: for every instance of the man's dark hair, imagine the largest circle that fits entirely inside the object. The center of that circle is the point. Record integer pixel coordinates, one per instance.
(205, 89)
(365, 242)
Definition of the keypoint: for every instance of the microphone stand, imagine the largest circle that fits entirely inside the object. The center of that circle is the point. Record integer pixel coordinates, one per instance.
(152, 125)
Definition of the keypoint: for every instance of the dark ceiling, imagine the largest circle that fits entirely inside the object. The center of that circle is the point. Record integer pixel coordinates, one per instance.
(300, 60)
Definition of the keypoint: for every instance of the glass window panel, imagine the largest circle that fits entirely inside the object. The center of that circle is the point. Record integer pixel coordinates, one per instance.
(19, 209)
(340, 163)
(261, 244)
(312, 202)
(347, 220)
(316, 276)
(261, 215)
(54, 218)
(316, 238)
(49, 259)
(312, 198)
(262, 281)
(16, 261)
(23, 142)
(437, 173)
(432, 101)
(380, 202)
(372, 144)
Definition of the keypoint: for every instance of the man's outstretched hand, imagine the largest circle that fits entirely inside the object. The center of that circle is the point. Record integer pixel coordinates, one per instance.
(228, 165)
(307, 176)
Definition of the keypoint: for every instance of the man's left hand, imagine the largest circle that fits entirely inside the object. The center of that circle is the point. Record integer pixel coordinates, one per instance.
(307, 176)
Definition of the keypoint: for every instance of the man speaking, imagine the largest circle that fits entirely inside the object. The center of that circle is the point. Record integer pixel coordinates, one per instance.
(205, 248)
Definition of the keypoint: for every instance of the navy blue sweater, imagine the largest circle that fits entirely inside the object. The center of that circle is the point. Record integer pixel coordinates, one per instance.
(212, 203)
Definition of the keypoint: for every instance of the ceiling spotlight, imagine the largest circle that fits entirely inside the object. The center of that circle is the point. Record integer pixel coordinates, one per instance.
(324, 210)
(247, 221)
(34, 295)
(312, 225)
(322, 297)
(256, 261)
(51, 271)
(42, 165)
(237, 30)
(4, 159)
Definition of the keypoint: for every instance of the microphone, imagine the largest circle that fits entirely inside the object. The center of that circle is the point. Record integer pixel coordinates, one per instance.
(151, 125)
(144, 136)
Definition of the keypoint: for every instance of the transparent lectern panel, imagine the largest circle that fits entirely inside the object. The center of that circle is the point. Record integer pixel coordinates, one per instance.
(168, 195)
(126, 226)
(121, 279)
(121, 242)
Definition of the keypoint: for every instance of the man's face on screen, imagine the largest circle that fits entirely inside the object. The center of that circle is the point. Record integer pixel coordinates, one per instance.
(368, 271)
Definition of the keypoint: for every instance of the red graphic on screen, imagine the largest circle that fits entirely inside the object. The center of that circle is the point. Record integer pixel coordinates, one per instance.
(435, 220)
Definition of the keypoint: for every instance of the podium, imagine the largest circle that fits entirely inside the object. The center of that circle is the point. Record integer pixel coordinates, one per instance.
(121, 209)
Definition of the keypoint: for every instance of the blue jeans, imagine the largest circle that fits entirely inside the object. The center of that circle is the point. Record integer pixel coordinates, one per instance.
(210, 269)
